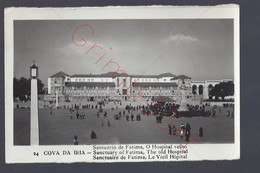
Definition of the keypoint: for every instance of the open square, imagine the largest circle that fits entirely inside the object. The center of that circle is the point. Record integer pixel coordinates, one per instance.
(59, 129)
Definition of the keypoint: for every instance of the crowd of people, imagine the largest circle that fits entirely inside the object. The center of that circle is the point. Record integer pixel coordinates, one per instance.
(227, 105)
(183, 130)
(203, 109)
(211, 111)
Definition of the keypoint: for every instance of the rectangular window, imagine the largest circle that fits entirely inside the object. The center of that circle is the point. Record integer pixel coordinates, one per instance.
(124, 82)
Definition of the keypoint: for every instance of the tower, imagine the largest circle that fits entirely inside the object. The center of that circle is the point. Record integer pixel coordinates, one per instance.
(34, 130)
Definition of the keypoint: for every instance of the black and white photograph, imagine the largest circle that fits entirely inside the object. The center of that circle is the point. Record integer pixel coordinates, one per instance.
(124, 86)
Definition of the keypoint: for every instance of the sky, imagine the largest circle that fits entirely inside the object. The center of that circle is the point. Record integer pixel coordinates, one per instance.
(200, 48)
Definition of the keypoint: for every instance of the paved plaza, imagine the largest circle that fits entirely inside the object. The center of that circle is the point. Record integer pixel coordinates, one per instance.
(59, 129)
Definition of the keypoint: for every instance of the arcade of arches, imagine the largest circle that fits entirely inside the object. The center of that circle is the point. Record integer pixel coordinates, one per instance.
(203, 88)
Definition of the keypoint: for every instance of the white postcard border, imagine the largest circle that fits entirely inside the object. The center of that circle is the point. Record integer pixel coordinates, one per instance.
(24, 154)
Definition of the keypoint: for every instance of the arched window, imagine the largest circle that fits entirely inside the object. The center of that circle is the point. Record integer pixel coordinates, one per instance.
(194, 89)
(200, 90)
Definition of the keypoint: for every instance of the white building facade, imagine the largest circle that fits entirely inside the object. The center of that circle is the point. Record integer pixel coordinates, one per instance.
(81, 87)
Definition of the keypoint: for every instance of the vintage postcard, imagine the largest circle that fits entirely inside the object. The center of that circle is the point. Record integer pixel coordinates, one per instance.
(122, 84)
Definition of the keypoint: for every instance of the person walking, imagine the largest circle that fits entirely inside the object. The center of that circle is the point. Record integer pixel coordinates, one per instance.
(182, 127)
(188, 127)
(228, 113)
(132, 117)
(76, 140)
(173, 129)
(77, 115)
(201, 132)
(93, 135)
(160, 118)
(187, 135)
(170, 129)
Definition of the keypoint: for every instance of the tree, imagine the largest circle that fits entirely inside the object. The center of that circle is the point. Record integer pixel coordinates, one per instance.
(222, 90)
(22, 88)
(40, 87)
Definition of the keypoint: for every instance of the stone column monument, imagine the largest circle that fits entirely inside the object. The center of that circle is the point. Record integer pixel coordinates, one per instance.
(34, 131)
(57, 99)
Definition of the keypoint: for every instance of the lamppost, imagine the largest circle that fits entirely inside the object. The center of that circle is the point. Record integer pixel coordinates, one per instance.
(34, 131)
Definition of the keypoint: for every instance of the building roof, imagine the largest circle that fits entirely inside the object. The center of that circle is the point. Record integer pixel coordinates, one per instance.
(154, 76)
(157, 84)
(144, 76)
(60, 74)
(90, 84)
(167, 75)
(114, 74)
(181, 77)
(119, 75)
(109, 74)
